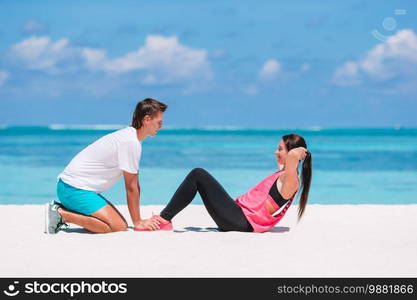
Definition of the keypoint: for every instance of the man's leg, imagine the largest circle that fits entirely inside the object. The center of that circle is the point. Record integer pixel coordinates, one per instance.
(89, 210)
(88, 222)
(106, 219)
(111, 216)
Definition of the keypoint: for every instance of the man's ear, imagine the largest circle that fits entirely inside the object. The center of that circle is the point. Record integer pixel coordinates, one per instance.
(146, 119)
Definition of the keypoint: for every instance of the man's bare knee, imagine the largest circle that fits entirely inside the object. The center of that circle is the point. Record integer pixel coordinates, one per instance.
(112, 218)
(120, 226)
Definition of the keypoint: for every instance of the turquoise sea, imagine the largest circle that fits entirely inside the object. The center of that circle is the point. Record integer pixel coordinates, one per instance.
(350, 166)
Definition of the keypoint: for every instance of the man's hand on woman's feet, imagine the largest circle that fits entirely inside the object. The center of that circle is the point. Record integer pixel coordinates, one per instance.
(147, 225)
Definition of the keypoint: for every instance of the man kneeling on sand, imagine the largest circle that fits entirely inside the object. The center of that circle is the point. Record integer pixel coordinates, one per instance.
(97, 168)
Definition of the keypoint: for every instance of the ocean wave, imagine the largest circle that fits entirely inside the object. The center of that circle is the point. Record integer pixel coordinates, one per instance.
(86, 127)
(312, 128)
(209, 128)
(218, 128)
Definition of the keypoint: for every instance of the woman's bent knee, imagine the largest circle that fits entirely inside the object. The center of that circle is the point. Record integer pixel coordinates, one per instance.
(196, 172)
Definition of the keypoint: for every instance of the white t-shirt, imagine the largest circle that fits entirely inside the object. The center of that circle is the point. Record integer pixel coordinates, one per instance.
(99, 166)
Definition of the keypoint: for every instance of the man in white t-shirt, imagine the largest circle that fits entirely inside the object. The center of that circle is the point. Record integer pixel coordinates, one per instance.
(97, 168)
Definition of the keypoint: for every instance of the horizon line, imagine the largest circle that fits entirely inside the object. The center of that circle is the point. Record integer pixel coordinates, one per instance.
(205, 127)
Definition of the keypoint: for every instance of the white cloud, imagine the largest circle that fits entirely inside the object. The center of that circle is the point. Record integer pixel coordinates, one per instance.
(40, 53)
(163, 60)
(269, 73)
(347, 74)
(4, 75)
(94, 58)
(270, 70)
(33, 26)
(394, 59)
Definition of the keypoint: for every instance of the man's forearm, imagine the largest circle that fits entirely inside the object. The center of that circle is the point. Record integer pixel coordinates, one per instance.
(133, 197)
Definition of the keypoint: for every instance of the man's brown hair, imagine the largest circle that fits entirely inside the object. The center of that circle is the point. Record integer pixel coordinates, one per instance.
(147, 107)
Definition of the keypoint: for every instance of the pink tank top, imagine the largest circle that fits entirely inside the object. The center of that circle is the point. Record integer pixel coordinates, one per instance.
(253, 204)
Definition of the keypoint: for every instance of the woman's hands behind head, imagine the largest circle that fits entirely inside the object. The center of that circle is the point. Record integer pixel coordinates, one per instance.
(296, 154)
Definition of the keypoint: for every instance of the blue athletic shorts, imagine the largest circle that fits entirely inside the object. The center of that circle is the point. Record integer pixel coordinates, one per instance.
(81, 201)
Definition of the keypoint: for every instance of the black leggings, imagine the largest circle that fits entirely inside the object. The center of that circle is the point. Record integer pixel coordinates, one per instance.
(221, 207)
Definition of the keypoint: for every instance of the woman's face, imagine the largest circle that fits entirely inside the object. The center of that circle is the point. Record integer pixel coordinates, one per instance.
(281, 153)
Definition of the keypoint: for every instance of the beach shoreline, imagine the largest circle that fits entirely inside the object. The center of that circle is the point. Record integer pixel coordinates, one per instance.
(330, 241)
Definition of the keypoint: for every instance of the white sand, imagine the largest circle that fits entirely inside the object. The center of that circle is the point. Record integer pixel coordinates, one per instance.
(331, 241)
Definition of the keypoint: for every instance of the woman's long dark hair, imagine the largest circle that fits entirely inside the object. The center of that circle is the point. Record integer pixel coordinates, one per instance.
(292, 141)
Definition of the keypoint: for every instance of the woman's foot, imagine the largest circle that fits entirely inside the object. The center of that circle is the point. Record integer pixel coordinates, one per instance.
(163, 224)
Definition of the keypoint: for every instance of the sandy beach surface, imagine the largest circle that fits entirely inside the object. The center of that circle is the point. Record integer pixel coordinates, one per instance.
(330, 241)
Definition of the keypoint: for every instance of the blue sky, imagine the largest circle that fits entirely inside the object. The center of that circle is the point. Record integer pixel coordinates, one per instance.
(258, 64)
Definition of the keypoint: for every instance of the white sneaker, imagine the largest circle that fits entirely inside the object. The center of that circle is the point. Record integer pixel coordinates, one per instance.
(53, 220)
